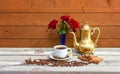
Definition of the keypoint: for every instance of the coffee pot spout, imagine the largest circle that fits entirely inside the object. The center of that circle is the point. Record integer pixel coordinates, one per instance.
(75, 43)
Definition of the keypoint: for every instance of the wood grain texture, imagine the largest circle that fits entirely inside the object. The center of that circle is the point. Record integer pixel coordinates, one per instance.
(59, 6)
(11, 62)
(23, 23)
(43, 32)
(44, 18)
(52, 42)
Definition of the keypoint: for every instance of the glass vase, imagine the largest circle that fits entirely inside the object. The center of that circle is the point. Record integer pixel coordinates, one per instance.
(62, 38)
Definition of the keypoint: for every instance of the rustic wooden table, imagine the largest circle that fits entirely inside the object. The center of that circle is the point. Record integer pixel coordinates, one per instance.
(11, 60)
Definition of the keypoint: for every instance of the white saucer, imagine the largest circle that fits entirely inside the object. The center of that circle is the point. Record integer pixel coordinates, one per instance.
(51, 56)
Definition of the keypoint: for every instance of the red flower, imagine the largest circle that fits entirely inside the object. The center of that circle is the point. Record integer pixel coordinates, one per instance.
(52, 24)
(73, 24)
(64, 24)
(65, 18)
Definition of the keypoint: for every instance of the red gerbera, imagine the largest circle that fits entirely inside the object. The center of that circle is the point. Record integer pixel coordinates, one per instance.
(52, 24)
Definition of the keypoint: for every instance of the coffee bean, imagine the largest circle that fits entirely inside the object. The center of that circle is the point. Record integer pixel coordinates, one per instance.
(53, 63)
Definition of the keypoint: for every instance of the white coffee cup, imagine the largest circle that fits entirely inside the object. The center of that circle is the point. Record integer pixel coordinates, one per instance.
(62, 51)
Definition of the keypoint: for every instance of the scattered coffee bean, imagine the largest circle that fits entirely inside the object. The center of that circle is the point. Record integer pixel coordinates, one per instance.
(54, 63)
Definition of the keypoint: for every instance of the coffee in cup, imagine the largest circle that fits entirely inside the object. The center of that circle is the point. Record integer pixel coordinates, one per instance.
(62, 51)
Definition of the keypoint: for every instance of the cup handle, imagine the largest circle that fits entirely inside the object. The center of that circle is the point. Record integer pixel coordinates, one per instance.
(69, 51)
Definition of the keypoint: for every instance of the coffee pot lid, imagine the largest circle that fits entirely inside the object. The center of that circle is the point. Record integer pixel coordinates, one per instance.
(86, 26)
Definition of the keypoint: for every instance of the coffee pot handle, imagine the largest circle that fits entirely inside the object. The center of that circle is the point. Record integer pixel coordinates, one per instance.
(94, 30)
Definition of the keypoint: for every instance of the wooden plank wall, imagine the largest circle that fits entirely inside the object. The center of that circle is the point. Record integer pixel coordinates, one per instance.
(23, 23)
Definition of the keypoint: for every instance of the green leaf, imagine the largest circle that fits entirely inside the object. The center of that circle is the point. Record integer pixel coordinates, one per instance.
(64, 28)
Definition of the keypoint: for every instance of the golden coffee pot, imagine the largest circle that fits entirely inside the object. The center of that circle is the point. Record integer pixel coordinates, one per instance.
(86, 45)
